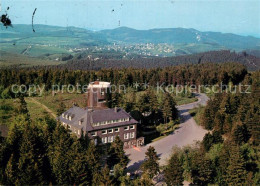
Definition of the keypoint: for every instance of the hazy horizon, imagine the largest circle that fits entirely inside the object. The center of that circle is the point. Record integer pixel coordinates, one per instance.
(97, 30)
(241, 17)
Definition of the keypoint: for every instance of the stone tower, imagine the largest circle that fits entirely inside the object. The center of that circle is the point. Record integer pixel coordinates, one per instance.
(97, 94)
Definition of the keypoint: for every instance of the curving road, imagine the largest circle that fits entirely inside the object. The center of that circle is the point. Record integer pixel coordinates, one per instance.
(188, 133)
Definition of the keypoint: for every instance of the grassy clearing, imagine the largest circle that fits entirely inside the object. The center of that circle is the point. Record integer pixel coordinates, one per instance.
(184, 100)
(196, 113)
(8, 107)
(35, 110)
(8, 110)
(52, 102)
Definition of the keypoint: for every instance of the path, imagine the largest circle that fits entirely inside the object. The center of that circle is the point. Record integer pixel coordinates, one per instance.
(188, 133)
(44, 106)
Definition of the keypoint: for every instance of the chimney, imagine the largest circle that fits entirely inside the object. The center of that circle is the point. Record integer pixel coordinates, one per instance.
(115, 109)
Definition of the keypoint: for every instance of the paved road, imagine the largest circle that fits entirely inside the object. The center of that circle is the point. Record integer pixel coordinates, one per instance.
(188, 133)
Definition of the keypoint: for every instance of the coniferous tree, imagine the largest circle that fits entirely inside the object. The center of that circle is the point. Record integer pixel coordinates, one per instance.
(207, 141)
(218, 122)
(201, 169)
(116, 99)
(223, 163)
(117, 154)
(143, 104)
(145, 180)
(79, 168)
(207, 120)
(211, 139)
(154, 106)
(33, 167)
(239, 133)
(59, 155)
(84, 140)
(169, 110)
(23, 108)
(150, 165)
(11, 171)
(61, 108)
(9, 156)
(94, 162)
(153, 101)
(106, 179)
(236, 172)
(174, 172)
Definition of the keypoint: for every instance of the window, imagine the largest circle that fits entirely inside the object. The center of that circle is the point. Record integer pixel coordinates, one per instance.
(132, 135)
(110, 139)
(132, 127)
(93, 133)
(95, 124)
(102, 93)
(104, 140)
(116, 129)
(110, 130)
(126, 135)
(126, 128)
(104, 131)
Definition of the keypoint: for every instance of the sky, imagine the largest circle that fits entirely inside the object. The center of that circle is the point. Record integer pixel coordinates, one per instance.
(228, 16)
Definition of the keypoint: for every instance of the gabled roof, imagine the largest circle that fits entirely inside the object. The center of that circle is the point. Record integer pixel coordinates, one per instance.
(89, 116)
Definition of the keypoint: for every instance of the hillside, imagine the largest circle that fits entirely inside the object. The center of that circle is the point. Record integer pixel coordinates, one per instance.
(182, 35)
(251, 62)
(53, 42)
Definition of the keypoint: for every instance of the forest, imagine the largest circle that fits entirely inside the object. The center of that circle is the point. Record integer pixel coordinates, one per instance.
(44, 152)
(229, 153)
(222, 56)
(199, 74)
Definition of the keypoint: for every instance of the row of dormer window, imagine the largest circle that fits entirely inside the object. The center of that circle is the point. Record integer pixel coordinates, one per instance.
(109, 122)
(68, 116)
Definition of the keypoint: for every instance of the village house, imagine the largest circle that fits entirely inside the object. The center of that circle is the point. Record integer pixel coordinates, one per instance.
(101, 122)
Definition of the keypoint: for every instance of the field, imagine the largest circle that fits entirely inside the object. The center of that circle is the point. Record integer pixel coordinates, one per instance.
(37, 106)
(52, 102)
(10, 59)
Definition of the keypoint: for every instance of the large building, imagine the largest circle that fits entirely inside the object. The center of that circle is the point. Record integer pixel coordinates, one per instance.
(98, 121)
